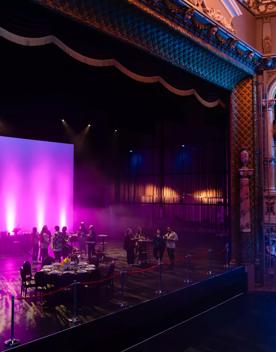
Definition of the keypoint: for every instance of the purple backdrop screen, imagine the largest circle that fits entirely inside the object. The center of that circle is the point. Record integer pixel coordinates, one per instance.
(36, 184)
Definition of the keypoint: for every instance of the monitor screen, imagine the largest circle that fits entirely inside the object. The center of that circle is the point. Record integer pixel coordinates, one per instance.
(36, 184)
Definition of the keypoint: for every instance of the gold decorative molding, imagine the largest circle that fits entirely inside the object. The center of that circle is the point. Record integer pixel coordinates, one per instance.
(212, 13)
(260, 7)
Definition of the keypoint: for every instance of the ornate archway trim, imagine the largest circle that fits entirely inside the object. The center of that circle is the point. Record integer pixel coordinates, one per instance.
(51, 39)
(272, 87)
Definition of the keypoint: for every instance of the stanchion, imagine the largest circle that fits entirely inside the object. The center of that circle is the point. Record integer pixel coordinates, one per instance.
(227, 255)
(122, 302)
(75, 320)
(188, 279)
(12, 342)
(160, 290)
(210, 263)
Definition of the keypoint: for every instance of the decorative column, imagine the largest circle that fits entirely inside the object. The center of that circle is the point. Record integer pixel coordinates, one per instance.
(245, 209)
(269, 146)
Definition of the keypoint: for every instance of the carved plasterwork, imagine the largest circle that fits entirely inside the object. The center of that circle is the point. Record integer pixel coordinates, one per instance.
(267, 44)
(267, 35)
(260, 7)
(217, 13)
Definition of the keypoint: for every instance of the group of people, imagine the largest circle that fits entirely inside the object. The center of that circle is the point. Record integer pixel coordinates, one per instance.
(134, 243)
(87, 239)
(42, 240)
(59, 242)
(159, 244)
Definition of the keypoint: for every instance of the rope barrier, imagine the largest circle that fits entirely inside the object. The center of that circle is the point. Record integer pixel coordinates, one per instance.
(139, 271)
(131, 272)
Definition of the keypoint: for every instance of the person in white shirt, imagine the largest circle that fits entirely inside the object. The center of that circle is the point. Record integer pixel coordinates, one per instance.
(171, 238)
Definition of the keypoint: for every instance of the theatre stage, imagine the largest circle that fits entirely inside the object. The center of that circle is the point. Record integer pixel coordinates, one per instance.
(37, 318)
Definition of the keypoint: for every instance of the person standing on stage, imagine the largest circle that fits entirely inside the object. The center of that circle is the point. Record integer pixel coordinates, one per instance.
(137, 249)
(82, 233)
(66, 248)
(171, 238)
(129, 245)
(91, 242)
(35, 242)
(45, 240)
(158, 246)
(57, 244)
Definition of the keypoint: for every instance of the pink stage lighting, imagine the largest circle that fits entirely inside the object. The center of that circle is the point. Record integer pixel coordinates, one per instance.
(36, 184)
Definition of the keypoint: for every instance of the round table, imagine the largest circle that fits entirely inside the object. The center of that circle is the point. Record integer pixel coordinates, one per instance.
(57, 273)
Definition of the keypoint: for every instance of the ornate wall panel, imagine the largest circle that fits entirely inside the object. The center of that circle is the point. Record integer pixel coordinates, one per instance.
(242, 136)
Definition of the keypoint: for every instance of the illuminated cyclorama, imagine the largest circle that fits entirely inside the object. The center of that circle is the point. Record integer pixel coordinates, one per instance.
(36, 184)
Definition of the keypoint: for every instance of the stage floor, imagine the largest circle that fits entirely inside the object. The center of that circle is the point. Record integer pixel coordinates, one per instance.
(34, 319)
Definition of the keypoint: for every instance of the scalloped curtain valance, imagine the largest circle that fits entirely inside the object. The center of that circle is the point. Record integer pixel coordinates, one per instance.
(38, 27)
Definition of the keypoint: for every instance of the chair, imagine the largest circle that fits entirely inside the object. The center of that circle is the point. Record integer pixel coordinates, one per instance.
(83, 290)
(26, 282)
(27, 269)
(67, 287)
(109, 282)
(48, 261)
(40, 283)
(95, 260)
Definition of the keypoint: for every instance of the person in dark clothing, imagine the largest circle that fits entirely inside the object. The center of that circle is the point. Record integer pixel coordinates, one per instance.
(82, 233)
(91, 242)
(171, 238)
(129, 245)
(158, 246)
(57, 244)
(45, 240)
(35, 241)
(66, 248)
